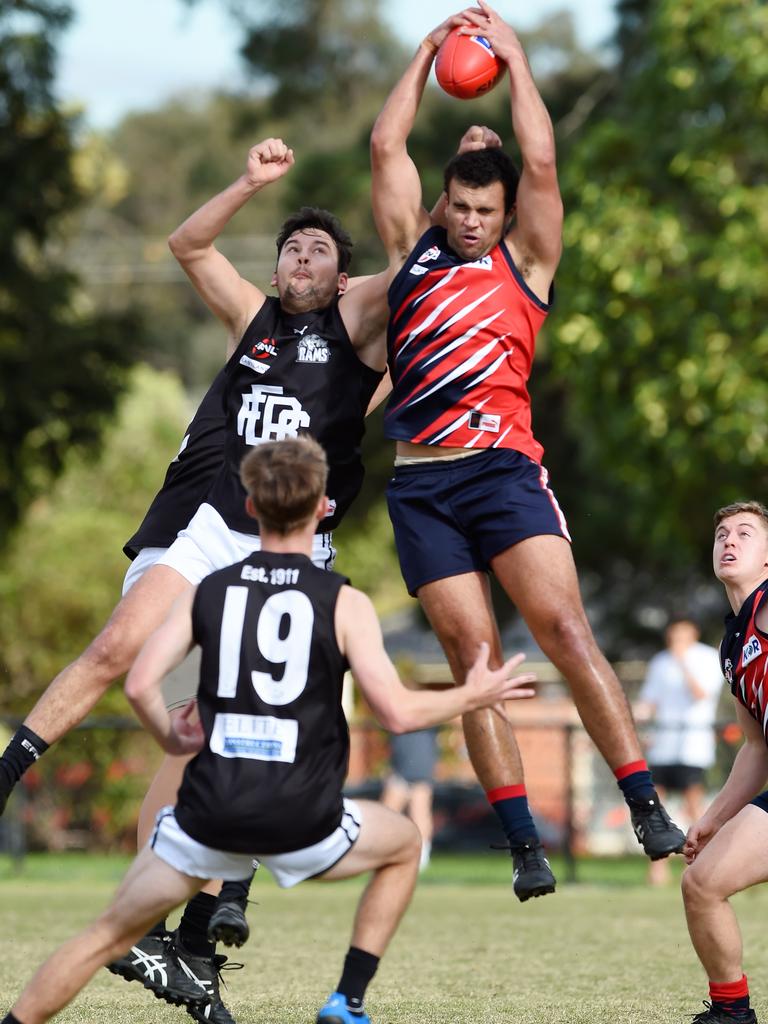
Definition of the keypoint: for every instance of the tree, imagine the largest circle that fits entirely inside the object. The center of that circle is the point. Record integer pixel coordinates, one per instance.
(62, 368)
(664, 325)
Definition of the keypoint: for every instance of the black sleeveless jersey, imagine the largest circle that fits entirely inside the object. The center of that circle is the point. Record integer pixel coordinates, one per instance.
(270, 775)
(292, 374)
(189, 476)
(744, 657)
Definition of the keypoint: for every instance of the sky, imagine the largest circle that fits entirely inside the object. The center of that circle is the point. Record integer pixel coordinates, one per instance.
(119, 56)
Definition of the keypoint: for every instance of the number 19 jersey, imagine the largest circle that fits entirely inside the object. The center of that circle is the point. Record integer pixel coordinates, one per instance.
(269, 777)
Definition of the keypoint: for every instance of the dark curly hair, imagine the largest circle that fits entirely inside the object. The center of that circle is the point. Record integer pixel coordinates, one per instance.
(482, 167)
(322, 220)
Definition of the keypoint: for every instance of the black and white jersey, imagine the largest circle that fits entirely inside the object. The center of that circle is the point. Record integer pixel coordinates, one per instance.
(189, 477)
(293, 374)
(270, 775)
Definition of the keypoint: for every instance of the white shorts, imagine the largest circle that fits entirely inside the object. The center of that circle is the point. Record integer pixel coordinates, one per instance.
(145, 559)
(186, 855)
(208, 544)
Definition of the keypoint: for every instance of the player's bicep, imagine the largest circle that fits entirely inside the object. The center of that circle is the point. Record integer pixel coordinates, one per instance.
(397, 203)
(753, 733)
(539, 216)
(230, 297)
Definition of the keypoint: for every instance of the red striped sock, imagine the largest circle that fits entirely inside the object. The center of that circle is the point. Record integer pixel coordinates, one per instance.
(730, 995)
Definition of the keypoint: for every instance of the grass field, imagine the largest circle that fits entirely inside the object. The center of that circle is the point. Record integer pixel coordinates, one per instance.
(607, 949)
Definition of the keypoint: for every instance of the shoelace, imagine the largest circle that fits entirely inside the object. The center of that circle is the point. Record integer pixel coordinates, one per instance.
(701, 1016)
(223, 963)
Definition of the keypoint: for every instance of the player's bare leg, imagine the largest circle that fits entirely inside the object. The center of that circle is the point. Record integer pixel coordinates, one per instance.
(389, 845)
(77, 689)
(150, 889)
(733, 860)
(415, 800)
(460, 612)
(539, 576)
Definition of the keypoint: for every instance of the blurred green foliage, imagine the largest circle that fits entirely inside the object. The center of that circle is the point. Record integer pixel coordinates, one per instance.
(62, 364)
(663, 325)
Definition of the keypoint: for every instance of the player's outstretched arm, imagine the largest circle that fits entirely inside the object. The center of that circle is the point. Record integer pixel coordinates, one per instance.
(402, 710)
(164, 650)
(537, 234)
(230, 297)
(395, 185)
(746, 779)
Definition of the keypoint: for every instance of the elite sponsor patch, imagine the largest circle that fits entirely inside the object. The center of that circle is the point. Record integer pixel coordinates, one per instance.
(255, 737)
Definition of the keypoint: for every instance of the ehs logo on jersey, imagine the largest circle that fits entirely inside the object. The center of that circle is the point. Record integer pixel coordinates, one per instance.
(417, 271)
(728, 671)
(430, 254)
(266, 414)
(313, 349)
(751, 650)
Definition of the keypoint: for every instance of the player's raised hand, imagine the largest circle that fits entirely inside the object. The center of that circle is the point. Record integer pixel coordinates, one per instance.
(437, 35)
(485, 21)
(186, 736)
(268, 161)
(488, 686)
(478, 136)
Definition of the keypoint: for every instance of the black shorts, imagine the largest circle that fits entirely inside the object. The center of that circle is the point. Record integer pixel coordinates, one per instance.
(412, 755)
(452, 516)
(677, 777)
(761, 801)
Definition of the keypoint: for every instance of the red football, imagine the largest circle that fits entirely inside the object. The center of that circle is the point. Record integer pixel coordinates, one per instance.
(466, 66)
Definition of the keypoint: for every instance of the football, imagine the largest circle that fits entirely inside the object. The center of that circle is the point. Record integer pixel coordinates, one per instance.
(466, 66)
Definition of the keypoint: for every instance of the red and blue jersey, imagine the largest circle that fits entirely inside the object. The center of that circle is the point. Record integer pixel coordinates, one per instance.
(744, 657)
(461, 342)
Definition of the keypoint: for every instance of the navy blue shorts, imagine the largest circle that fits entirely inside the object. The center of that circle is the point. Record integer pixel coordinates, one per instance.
(761, 801)
(453, 516)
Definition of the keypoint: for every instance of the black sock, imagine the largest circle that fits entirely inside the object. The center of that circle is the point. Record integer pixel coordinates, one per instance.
(236, 892)
(193, 927)
(359, 969)
(21, 753)
(159, 930)
(10, 1019)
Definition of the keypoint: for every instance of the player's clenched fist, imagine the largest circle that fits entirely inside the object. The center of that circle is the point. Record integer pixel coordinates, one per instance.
(268, 161)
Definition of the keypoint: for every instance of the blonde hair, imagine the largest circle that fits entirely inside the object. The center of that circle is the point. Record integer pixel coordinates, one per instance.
(739, 508)
(285, 480)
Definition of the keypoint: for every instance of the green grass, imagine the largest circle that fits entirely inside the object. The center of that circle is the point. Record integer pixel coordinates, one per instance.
(606, 949)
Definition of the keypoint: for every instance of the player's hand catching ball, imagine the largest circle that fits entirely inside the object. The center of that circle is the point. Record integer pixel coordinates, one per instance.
(435, 38)
(268, 161)
(488, 23)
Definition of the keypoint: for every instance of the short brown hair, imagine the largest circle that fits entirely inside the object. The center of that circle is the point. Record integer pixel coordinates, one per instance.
(739, 508)
(315, 219)
(285, 480)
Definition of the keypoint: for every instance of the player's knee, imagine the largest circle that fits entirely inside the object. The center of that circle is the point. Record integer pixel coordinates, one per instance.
(411, 842)
(570, 634)
(696, 887)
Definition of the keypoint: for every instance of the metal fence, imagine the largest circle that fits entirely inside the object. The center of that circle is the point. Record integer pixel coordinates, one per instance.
(86, 792)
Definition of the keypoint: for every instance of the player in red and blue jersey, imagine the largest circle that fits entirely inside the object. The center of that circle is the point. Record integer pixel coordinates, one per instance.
(727, 848)
(469, 494)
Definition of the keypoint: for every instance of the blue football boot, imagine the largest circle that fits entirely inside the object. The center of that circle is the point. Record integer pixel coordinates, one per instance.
(336, 1011)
